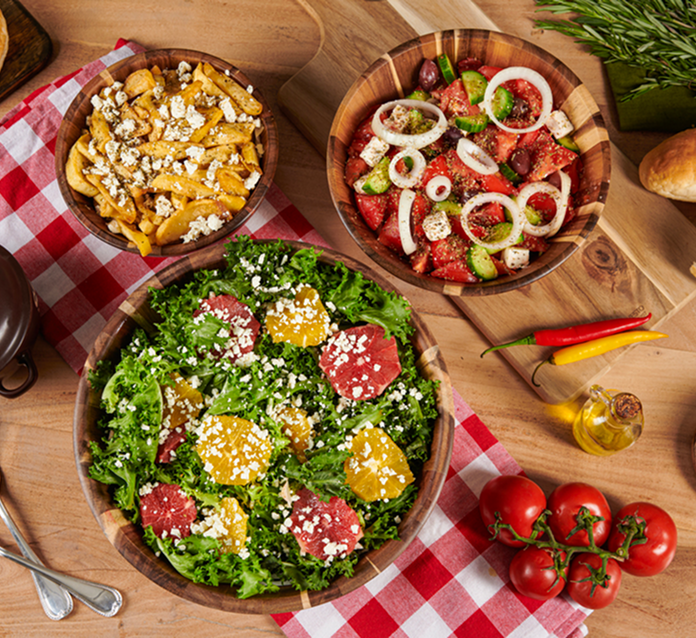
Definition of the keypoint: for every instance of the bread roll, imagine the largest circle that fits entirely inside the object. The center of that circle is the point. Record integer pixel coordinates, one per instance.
(4, 39)
(670, 168)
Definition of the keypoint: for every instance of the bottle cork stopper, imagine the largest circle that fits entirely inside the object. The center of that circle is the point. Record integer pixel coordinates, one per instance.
(627, 406)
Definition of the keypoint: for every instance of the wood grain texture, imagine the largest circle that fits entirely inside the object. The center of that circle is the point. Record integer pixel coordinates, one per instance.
(611, 274)
(74, 124)
(29, 48)
(42, 487)
(127, 537)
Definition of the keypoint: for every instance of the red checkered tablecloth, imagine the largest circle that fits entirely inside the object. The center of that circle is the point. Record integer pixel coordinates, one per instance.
(451, 580)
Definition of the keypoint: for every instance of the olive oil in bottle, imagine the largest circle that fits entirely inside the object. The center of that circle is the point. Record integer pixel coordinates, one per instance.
(608, 422)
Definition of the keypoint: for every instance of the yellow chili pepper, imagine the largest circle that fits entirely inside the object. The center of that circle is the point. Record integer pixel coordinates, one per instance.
(593, 348)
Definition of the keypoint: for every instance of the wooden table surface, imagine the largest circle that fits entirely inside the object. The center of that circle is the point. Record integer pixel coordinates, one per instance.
(271, 40)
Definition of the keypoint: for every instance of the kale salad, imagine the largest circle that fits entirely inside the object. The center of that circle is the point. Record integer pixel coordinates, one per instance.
(268, 431)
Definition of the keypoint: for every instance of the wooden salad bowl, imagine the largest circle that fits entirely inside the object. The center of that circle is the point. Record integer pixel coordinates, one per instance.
(73, 125)
(127, 537)
(395, 75)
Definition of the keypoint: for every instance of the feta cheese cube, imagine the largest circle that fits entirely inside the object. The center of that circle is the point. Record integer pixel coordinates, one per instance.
(559, 124)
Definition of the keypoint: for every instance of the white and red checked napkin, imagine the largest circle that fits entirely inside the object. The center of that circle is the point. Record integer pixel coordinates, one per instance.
(451, 580)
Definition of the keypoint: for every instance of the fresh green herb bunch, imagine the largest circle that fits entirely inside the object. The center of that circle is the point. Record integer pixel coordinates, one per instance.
(657, 36)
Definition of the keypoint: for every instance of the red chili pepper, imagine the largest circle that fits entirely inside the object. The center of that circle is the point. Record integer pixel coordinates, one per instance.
(575, 334)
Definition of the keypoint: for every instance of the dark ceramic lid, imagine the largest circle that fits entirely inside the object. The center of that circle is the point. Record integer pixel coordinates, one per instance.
(16, 305)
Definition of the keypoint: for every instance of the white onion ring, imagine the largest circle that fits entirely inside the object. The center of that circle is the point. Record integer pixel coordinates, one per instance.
(411, 178)
(406, 199)
(519, 73)
(402, 139)
(433, 187)
(559, 197)
(484, 198)
(475, 157)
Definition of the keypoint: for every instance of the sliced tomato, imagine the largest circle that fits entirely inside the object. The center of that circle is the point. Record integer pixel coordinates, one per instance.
(456, 271)
(451, 248)
(421, 260)
(454, 101)
(463, 178)
(438, 166)
(548, 157)
(372, 208)
(527, 139)
(497, 183)
(528, 92)
(468, 64)
(488, 71)
(535, 244)
(488, 215)
(421, 207)
(499, 144)
(389, 233)
(501, 267)
(574, 170)
(356, 167)
(544, 204)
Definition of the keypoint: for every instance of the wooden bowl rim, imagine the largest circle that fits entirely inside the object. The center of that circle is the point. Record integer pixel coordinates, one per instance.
(127, 538)
(79, 205)
(365, 237)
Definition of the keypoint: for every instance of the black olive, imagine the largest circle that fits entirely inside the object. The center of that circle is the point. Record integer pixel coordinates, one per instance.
(521, 161)
(429, 75)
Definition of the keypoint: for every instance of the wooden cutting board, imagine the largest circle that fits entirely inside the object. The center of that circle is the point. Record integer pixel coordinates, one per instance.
(639, 259)
(29, 48)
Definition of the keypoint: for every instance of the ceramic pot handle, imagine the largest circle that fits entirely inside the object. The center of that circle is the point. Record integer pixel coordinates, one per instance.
(27, 361)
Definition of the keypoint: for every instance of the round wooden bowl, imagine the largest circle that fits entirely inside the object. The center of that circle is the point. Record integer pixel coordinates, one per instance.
(73, 125)
(127, 537)
(395, 74)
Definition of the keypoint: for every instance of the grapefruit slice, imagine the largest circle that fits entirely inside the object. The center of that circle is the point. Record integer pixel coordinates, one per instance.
(234, 451)
(244, 328)
(168, 510)
(302, 321)
(296, 427)
(182, 402)
(166, 450)
(378, 469)
(359, 362)
(325, 530)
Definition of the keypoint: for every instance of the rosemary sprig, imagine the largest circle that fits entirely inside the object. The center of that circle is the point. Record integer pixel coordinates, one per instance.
(657, 36)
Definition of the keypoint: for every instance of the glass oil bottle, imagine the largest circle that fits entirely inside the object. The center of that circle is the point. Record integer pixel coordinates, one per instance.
(609, 421)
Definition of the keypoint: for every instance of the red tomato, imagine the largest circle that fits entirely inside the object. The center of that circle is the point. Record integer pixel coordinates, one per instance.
(488, 71)
(658, 528)
(533, 574)
(356, 167)
(565, 503)
(519, 502)
(437, 167)
(584, 589)
(372, 208)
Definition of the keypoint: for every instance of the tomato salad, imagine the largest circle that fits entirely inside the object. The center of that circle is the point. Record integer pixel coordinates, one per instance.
(469, 177)
(268, 432)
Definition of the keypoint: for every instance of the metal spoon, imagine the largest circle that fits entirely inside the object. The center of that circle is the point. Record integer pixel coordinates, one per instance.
(103, 599)
(55, 600)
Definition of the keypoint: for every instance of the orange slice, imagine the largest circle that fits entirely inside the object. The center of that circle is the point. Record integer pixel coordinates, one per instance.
(182, 402)
(378, 469)
(234, 520)
(302, 321)
(296, 427)
(234, 451)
